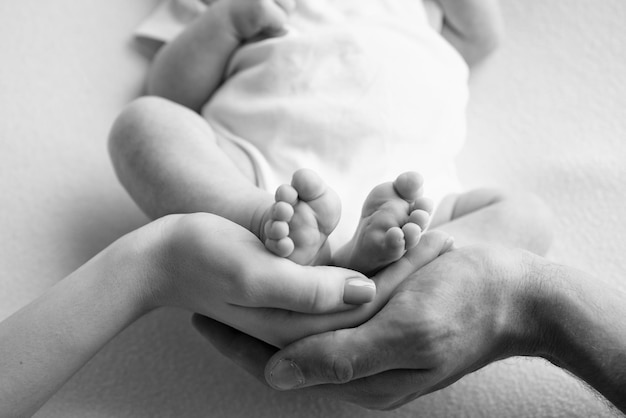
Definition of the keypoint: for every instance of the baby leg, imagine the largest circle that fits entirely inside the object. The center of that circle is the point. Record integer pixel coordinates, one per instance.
(392, 220)
(170, 161)
(304, 215)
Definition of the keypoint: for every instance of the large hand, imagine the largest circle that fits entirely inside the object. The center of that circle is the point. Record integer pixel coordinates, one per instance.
(450, 318)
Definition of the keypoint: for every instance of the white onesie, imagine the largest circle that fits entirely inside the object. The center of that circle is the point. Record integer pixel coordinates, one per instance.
(357, 90)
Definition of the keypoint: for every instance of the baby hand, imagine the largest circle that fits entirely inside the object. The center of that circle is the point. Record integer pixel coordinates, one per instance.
(260, 19)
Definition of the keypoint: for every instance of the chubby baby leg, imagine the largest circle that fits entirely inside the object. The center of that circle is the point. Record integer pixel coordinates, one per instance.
(392, 220)
(170, 161)
(302, 218)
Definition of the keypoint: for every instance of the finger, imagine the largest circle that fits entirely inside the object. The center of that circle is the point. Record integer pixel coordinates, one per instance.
(386, 390)
(245, 351)
(430, 246)
(424, 203)
(380, 391)
(319, 289)
(341, 356)
(378, 345)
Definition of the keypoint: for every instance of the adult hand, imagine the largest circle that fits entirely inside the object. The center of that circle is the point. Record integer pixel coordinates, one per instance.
(214, 267)
(210, 265)
(447, 319)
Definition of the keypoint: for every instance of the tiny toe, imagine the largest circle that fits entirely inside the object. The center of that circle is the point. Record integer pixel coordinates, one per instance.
(424, 203)
(285, 246)
(409, 185)
(282, 247)
(420, 217)
(282, 211)
(286, 193)
(308, 184)
(276, 230)
(394, 238)
(412, 233)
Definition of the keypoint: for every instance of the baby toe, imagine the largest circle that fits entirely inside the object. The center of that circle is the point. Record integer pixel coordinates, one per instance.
(394, 239)
(282, 247)
(412, 234)
(409, 185)
(286, 193)
(276, 230)
(308, 184)
(420, 217)
(424, 203)
(282, 211)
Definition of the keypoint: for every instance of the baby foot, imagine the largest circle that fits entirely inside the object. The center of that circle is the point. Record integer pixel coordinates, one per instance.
(392, 220)
(257, 19)
(302, 218)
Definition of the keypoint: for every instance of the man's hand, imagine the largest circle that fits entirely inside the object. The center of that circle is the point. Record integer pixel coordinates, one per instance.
(450, 318)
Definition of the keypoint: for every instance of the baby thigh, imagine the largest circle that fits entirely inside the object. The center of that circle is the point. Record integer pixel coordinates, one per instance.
(170, 160)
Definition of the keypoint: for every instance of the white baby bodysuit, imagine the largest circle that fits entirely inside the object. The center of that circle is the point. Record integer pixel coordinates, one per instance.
(357, 90)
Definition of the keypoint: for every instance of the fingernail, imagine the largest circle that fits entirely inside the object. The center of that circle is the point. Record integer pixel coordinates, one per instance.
(286, 375)
(357, 291)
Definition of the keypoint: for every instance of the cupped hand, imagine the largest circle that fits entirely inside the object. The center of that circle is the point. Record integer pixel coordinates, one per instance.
(214, 267)
(207, 264)
(447, 319)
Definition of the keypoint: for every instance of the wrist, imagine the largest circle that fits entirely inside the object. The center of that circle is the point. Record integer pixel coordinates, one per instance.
(553, 299)
(529, 292)
(135, 268)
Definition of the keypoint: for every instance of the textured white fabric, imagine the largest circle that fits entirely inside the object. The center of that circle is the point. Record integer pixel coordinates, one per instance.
(358, 91)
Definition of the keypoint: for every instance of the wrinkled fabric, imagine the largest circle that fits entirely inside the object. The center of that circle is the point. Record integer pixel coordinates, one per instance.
(357, 90)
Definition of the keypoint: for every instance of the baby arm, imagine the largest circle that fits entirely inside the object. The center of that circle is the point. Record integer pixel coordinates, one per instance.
(189, 69)
(473, 27)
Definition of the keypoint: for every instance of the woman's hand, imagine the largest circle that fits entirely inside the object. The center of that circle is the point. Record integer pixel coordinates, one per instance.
(212, 266)
(199, 262)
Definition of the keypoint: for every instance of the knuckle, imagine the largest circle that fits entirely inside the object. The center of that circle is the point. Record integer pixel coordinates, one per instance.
(336, 369)
(317, 299)
(342, 369)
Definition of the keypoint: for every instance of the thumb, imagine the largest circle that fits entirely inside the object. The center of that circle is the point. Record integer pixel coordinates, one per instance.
(334, 357)
(312, 289)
